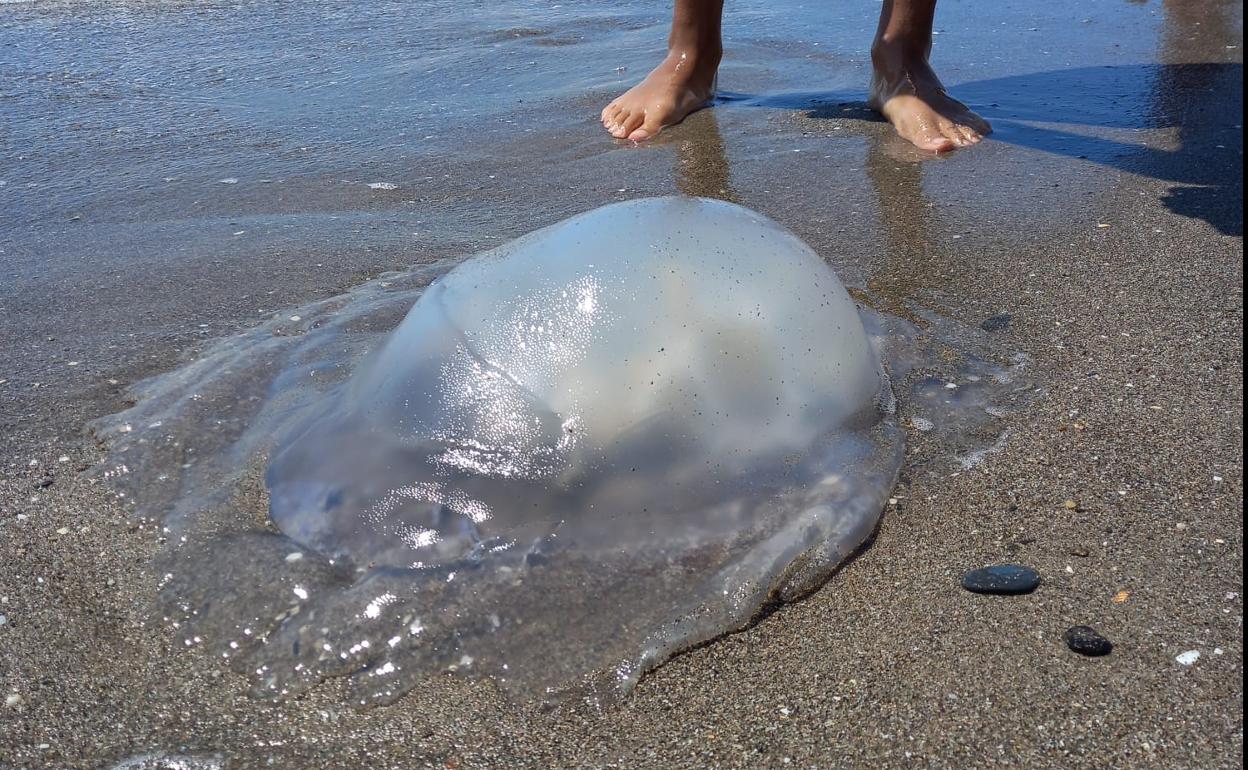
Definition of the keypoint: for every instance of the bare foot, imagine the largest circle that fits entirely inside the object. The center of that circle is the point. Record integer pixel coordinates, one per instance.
(906, 91)
(681, 84)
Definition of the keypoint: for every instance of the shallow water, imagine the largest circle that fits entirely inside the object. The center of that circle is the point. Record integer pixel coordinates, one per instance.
(122, 123)
(360, 138)
(300, 108)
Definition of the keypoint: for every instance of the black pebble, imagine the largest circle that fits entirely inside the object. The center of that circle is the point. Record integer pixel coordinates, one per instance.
(1002, 579)
(996, 323)
(1086, 641)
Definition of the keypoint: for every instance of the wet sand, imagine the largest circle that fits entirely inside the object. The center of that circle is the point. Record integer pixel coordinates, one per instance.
(1104, 216)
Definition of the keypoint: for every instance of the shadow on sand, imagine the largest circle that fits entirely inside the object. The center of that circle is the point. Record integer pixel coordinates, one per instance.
(1083, 113)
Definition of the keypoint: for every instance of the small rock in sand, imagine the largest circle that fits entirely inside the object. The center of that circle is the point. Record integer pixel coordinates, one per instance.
(1086, 641)
(1007, 579)
(997, 322)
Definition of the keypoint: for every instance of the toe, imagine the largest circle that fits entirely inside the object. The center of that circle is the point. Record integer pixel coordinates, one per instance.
(963, 116)
(609, 112)
(612, 115)
(950, 131)
(647, 131)
(632, 125)
(978, 124)
(616, 126)
(969, 134)
(919, 124)
(929, 138)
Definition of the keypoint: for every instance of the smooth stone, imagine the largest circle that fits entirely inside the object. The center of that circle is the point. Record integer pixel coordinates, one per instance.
(997, 322)
(1002, 579)
(1086, 641)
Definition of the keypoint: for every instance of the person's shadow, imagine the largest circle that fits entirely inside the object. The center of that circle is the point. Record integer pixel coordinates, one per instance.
(1203, 102)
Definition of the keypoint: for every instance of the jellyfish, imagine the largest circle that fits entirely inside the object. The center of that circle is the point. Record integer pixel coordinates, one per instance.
(586, 450)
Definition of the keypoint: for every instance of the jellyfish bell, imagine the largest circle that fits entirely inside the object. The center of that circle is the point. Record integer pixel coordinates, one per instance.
(653, 377)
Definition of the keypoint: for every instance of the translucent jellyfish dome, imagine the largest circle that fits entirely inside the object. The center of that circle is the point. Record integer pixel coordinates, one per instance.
(647, 376)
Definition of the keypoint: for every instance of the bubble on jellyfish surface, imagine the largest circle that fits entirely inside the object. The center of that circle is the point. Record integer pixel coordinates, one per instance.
(575, 456)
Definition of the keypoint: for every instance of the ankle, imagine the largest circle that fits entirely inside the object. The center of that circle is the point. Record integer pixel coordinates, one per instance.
(900, 51)
(700, 59)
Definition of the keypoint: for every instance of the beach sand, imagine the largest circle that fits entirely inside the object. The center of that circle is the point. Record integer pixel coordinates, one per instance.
(173, 174)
